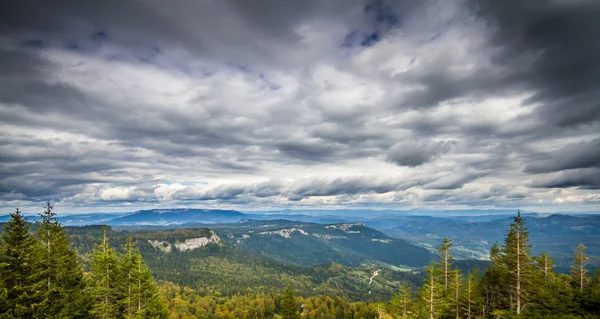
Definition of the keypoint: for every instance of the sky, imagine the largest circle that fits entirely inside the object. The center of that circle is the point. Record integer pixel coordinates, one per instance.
(118, 105)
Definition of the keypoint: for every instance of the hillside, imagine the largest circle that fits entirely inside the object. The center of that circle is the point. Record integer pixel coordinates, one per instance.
(351, 244)
(200, 259)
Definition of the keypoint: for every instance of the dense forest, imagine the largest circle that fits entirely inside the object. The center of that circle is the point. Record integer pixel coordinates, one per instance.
(49, 272)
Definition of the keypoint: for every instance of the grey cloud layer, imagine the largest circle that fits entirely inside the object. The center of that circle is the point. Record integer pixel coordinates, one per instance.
(299, 102)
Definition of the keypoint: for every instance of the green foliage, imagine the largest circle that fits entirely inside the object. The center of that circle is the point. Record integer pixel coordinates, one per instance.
(578, 271)
(41, 277)
(444, 267)
(232, 270)
(60, 286)
(104, 281)
(18, 271)
(288, 305)
(122, 285)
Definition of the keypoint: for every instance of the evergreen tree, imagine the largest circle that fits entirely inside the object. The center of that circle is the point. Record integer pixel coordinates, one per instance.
(453, 293)
(578, 271)
(288, 304)
(444, 266)
(432, 295)
(60, 285)
(471, 300)
(592, 294)
(494, 281)
(545, 266)
(104, 281)
(401, 303)
(18, 273)
(129, 272)
(140, 293)
(518, 264)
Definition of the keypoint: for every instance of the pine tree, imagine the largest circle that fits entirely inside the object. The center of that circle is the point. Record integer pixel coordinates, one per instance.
(149, 304)
(406, 301)
(592, 294)
(545, 266)
(453, 294)
(578, 271)
(140, 293)
(129, 272)
(471, 298)
(400, 305)
(432, 294)
(445, 256)
(18, 274)
(104, 281)
(494, 281)
(61, 286)
(288, 304)
(518, 263)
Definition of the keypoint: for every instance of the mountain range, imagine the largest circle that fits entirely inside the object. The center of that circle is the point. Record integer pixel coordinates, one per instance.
(472, 231)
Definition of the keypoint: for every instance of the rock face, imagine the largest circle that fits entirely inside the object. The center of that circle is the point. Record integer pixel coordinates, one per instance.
(160, 244)
(327, 236)
(188, 244)
(386, 241)
(284, 232)
(346, 227)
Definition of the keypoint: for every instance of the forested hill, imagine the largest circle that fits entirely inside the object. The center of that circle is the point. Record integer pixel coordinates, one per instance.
(351, 244)
(201, 259)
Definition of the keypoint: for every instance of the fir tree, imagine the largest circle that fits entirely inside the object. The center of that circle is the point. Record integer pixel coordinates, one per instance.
(517, 262)
(61, 286)
(471, 299)
(592, 294)
(444, 262)
(104, 281)
(494, 280)
(401, 303)
(578, 271)
(453, 294)
(18, 274)
(288, 304)
(545, 266)
(432, 294)
(141, 297)
(129, 272)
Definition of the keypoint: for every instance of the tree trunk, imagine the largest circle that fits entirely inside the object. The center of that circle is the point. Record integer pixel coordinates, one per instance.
(49, 261)
(546, 268)
(518, 273)
(456, 294)
(446, 269)
(139, 286)
(469, 300)
(581, 271)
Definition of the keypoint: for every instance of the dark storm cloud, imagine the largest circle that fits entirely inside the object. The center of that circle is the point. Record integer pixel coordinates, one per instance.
(579, 155)
(262, 29)
(588, 178)
(552, 44)
(415, 153)
(138, 101)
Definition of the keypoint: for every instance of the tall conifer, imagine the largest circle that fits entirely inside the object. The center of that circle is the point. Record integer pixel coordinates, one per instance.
(104, 281)
(578, 271)
(60, 284)
(518, 263)
(18, 273)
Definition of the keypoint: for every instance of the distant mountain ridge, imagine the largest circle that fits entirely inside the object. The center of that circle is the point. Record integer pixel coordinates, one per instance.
(473, 231)
(163, 217)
